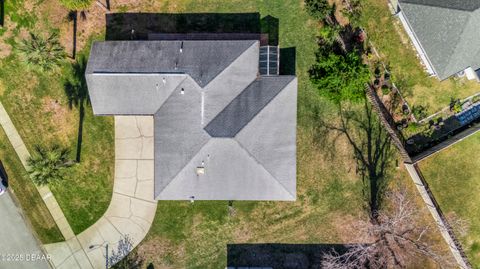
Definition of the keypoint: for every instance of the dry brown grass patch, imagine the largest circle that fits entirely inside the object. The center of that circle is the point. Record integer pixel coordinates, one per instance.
(158, 248)
(61, 117)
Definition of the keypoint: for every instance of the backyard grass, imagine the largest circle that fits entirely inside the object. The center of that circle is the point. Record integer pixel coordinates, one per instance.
(39, 108)
(393, 44)
(454, 178)
(329, 193)
(184, 235)
(26, 193)
(329, 197)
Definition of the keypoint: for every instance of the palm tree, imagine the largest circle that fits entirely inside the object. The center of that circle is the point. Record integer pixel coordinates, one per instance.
(77, 93)
(44, 53)
(48, 165)
(74, 6)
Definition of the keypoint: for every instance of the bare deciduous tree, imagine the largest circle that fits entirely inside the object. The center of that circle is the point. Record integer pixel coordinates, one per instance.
(123, 257)
(397, 238)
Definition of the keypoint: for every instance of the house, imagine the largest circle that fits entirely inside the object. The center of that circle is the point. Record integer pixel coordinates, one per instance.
(445, 33)
(224, 120)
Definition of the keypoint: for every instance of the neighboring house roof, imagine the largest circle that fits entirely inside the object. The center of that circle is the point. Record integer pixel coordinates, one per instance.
(448, 31)
(210, 109)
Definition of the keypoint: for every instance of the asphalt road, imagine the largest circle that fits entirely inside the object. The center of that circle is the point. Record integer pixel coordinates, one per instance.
(18, 247)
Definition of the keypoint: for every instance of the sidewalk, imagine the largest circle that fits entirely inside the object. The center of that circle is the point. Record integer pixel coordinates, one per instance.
(132, 208)
(44, 191)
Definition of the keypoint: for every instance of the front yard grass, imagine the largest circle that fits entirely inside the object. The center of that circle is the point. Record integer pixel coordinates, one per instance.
(40, 111)
(39, 108)
(394, 46)
(24, 190)
(454, 178)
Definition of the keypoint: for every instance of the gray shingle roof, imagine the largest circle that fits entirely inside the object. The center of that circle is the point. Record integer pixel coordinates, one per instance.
(240, 127)
(246, 105)
(202, 60)
(468, 5)
(448, 31)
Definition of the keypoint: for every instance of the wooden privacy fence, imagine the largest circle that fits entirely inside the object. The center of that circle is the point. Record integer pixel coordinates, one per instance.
(419, 181)
(388, 123)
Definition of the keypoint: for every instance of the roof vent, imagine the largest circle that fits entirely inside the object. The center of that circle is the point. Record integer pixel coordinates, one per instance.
(164, 81)
(200, 170)
(182, 91)
(181, 47)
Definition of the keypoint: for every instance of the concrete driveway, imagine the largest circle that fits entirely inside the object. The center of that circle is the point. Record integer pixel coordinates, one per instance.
(132, 208)
(18, 248)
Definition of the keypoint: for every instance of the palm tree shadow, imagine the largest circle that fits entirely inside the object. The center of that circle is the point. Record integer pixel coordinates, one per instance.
(73, 16)
(2, 12)
(371, 147)
(75, 87)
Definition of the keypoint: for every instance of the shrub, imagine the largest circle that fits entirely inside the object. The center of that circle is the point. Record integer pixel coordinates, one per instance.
(318, 9)
(412, 129)
(340, 77)
(419, 112)
(385, 90)
(455, 105)
(329, 34)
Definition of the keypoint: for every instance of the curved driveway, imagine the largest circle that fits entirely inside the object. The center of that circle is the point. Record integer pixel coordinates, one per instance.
(132, 208)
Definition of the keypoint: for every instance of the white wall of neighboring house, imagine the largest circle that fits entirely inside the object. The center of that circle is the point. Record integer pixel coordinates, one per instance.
(471, 74)
(420, 51)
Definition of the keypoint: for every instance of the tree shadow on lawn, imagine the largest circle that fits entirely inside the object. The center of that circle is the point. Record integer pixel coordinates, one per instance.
(200, 26)
(280, 255)
(2, 12)
(371, 148)
(127, 26)
(75, 87)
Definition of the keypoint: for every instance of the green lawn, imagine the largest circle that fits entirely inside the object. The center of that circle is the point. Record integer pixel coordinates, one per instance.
(329, 193)
(393, 44)
(454, 177)
(329, 196)
(39, 108)
(26, 193)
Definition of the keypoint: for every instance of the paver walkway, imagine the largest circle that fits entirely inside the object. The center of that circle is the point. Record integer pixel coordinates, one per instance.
(44, 191)
(132, 208)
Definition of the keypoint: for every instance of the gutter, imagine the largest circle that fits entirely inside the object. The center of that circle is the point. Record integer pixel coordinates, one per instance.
(416, 43)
